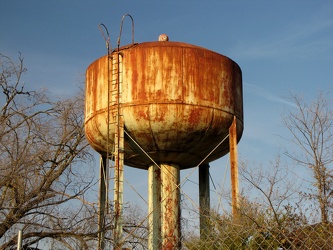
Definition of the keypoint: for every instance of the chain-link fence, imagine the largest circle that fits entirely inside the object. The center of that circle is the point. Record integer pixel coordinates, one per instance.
(273, 215)
(249, 230)
(246, 233)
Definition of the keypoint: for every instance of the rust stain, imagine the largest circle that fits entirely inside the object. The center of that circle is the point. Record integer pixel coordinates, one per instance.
(172, 92)
(170, 207)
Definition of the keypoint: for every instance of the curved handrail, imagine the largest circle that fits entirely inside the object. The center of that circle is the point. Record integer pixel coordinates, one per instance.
(121, 29)
(107, 39)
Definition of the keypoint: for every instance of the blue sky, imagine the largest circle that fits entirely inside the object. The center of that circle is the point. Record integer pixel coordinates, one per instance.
(281, 46)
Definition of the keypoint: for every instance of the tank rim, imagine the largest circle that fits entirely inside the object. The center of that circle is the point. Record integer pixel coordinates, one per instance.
(166, 44)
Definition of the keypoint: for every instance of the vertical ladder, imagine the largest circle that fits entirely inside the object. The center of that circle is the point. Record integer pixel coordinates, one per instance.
(116, 121)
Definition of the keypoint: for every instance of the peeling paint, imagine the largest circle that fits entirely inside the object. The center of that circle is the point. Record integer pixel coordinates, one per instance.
(172, 93)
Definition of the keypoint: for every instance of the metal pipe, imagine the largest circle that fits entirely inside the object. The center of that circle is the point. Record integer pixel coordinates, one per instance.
(234, 168)
(118, 200)
(170, 206)
(204, 200)
(154, 207)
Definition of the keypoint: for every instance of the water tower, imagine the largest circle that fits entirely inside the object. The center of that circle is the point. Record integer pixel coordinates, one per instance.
(163, 106)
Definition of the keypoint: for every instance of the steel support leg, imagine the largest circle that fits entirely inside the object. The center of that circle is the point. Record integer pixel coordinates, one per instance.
(170, 196)
(154, 207)
(103, 193)
(234, 168)
(204, 200)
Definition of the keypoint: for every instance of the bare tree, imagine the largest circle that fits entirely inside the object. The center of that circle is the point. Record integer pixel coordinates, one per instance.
(311, 127)
(42, 151)
(45, 171)
(272, 186)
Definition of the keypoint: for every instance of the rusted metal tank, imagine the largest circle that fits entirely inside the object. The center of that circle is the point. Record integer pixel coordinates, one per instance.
(178, 102)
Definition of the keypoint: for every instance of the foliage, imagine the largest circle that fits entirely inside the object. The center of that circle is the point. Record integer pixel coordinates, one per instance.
(256, 228)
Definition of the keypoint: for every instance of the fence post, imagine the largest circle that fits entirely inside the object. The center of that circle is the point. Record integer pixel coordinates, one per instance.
(19, 240)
